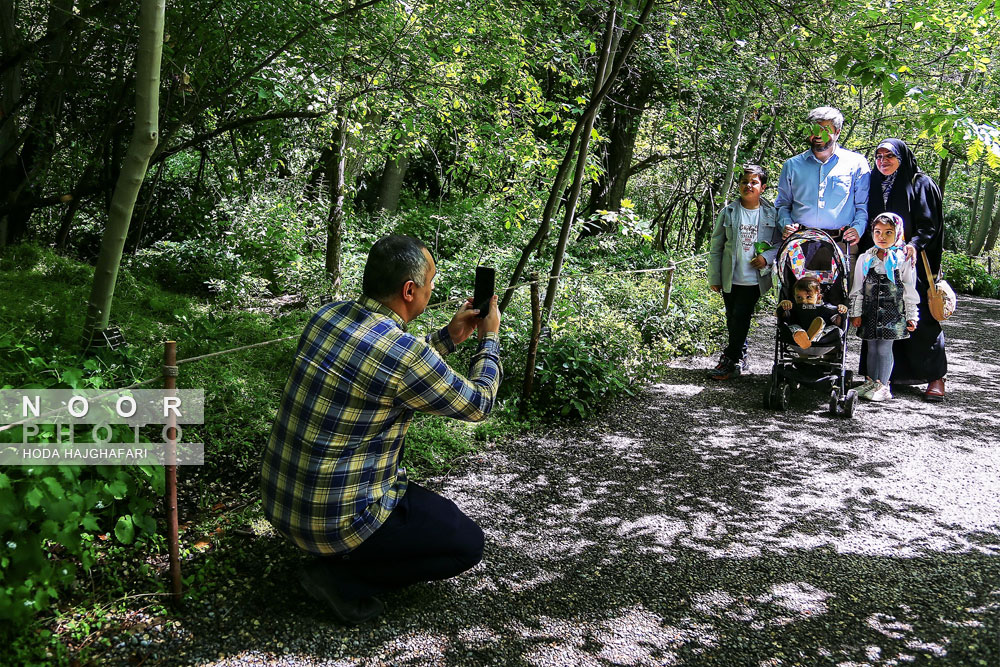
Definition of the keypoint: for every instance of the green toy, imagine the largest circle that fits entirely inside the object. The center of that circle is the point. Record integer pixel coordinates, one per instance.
(760, 247)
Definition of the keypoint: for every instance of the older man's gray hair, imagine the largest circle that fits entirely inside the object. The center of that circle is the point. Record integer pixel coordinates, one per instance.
(826, 113)
(393, 261)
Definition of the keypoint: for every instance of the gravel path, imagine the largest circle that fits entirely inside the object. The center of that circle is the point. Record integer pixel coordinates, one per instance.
(691, 527)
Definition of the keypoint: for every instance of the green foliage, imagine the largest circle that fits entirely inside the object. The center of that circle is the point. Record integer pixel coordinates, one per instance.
(49, 515)
(277, 235)
(434, 443)
(48, 519)
(613, 334)
(20, 257)
(188, 266)
(28, 649)
(585, 363)
(968, 276)
(55, 521)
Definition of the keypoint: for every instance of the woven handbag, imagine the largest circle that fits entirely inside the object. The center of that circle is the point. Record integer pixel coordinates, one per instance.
(941, 299)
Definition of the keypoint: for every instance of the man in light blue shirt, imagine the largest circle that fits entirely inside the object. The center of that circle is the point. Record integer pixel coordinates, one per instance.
(826, 187)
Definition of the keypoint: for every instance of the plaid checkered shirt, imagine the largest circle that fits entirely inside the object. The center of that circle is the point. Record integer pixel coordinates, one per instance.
(330, 475)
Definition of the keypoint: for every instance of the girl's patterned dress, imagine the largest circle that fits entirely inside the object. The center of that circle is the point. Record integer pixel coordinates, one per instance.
(883, 314)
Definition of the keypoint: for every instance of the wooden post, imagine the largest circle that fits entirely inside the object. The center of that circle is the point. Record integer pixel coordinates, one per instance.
(170, 471)
(536, 329)
(669, 286)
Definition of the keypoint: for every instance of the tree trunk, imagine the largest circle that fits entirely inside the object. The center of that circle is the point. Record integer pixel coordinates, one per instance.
(337, 182)
(93, 163)
(735, 145)
(586, 118)
(991, 240)
(970, 241)
(144, 138)
(662, 222)
(10, 95)
(705, 219)
(944, 172)
(600, 76)
(622, 125)
(391, 183)
(985, 217)
(38, 140)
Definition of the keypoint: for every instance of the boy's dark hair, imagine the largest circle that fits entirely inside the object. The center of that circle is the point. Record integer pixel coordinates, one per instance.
(808, 284)
(756, 169)
(392, 261)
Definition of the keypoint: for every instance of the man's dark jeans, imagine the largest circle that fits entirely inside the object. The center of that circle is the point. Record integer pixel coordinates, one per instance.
(425, 538)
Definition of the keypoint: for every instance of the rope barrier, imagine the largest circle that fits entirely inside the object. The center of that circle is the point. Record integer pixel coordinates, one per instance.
(235, 349)
(569, 276)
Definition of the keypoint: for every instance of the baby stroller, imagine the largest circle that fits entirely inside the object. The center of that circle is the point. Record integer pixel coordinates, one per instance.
(821, 367)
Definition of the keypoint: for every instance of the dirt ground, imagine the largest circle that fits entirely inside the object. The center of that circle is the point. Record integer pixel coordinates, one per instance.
(690, 526)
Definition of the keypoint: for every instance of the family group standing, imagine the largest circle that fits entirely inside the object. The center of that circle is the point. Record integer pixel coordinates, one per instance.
(830, 188)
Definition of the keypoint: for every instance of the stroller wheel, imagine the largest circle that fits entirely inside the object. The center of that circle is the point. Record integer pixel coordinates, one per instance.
(783, 395)
(850, 402)
(834, 403)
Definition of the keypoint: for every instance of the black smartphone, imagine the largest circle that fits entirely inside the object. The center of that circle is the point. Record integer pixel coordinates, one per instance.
(485, 289)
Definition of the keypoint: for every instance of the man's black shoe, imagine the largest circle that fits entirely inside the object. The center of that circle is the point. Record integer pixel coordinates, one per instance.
(320, 583)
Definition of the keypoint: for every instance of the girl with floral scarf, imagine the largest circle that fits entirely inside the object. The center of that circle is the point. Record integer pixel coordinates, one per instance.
(883, 302)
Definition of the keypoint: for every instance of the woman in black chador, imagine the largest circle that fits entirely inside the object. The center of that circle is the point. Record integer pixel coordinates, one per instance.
(898, 186)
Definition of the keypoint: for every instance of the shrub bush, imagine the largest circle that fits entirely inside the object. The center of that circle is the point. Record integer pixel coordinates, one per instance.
(188, 266)
(585, 363)
(49, 515)
(968, 276)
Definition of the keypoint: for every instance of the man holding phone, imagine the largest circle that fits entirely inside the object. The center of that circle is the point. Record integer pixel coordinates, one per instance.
(331, 479)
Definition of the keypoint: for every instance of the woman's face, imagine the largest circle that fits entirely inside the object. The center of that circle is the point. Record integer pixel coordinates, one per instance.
(886, 162)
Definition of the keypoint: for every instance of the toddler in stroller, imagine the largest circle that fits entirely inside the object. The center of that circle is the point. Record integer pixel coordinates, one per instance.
(810, 344)
(809, 319)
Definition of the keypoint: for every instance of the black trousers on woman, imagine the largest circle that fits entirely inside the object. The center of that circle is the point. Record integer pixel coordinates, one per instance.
(425, 538)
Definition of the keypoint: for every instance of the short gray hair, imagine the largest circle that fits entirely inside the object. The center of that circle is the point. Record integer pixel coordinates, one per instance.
(827, 113)
(393, 261)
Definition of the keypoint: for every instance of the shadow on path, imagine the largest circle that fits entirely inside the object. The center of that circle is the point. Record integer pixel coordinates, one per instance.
(693, 526)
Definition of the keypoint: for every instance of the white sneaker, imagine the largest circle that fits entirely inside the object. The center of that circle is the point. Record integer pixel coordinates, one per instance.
(880, 393)
(865, 390)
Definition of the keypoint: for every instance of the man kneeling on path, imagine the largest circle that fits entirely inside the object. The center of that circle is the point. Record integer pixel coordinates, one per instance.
(331, 480)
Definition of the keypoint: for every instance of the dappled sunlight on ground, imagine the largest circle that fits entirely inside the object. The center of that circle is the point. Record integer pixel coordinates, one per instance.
(694, 526)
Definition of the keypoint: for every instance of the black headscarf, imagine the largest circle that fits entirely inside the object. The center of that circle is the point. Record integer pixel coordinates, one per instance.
(916, 198)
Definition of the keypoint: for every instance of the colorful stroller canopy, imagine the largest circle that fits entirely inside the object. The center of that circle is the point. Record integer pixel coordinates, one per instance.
(810, 252)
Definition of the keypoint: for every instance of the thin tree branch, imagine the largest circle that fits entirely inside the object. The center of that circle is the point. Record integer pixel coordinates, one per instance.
(71, 23)
(232, 125)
